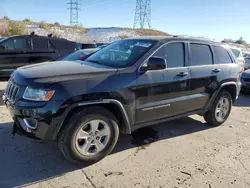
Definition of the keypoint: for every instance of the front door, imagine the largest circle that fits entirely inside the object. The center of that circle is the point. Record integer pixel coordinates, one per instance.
(162, 93)
(13, 54)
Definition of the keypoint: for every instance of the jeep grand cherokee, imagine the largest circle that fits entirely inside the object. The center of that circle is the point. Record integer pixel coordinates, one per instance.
(129, 84)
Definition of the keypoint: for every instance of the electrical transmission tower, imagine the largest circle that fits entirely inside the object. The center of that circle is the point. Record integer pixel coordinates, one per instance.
(143, 13)
(74, 8)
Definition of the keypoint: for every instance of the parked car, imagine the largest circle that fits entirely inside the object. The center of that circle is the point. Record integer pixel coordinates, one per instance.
(79, 55)
(17, 51)
(246, 54)
(239, 55)
(247, 62)
(245, 80)
(130, 84)
(102, 46)
(86, 45)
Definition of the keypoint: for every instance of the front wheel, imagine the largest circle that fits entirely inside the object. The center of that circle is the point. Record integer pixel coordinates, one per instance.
(220, 110)
(89, 135)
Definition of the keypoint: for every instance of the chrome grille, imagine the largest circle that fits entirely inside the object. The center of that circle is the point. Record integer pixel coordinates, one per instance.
(11, 91)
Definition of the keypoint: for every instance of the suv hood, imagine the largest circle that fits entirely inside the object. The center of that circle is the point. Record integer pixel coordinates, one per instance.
(58, 71)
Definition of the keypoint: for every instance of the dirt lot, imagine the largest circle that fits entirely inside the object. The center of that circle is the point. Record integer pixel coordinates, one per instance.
(177, 154)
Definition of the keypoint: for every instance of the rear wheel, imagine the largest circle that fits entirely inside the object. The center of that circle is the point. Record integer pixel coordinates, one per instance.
(89, 135)
(220, 110)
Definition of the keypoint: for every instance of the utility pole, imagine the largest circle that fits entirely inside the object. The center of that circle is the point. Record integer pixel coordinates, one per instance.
(142, 13)
(74, 8)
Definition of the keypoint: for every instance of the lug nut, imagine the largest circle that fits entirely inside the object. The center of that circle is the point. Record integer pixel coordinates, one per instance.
(88, 139)
(97, 138)
(96, 132)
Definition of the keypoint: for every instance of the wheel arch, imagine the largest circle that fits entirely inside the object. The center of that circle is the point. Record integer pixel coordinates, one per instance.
(113, 105)
(231, 87)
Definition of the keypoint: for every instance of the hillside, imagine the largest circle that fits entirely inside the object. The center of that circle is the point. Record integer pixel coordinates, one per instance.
(81, 34)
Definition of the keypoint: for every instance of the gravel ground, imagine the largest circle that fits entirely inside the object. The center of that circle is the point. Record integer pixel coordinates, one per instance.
(177, 154)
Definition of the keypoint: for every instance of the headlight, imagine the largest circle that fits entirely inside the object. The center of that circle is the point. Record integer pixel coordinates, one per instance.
(37, 94)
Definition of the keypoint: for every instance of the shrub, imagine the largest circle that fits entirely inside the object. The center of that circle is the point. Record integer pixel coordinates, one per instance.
(16, 28)
(43, 25)
(150, 32)
(26, 20)
(56, 24)
(6, 18)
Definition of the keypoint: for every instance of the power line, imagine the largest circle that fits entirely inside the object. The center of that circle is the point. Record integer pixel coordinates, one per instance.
(74, 8)
(142, 13)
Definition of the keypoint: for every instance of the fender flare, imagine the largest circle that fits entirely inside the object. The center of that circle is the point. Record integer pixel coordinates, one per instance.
(218, 91)
(53, 134)
(117, 103)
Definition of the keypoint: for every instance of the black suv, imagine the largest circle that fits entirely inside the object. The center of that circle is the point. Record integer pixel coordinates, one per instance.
(17, 51)
(130, 84)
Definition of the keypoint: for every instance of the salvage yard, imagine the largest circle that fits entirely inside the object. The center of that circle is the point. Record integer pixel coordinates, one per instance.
(181, 153)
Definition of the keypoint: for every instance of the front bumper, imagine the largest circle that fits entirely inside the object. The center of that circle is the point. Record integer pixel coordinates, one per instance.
(41, 121)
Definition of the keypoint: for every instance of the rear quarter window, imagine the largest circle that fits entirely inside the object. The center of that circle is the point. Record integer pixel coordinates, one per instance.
(221, 55)
(64, 44)
(200, 54)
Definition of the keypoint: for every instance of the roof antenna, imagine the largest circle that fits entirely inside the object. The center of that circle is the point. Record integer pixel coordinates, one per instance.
(32, 33)
(50, 35)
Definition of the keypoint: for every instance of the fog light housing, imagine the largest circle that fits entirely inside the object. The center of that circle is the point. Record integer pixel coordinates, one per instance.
(30, 123)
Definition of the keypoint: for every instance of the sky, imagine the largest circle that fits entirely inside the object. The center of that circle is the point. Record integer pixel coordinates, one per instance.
(216, 19)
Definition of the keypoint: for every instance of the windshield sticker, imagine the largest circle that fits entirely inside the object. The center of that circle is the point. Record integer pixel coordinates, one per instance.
(143, 44)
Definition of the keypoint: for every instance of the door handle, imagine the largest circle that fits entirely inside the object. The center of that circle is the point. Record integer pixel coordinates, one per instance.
(182, 74)
(216, 70)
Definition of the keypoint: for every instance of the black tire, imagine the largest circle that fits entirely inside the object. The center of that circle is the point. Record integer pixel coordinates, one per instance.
(68, 133)
(210, 114)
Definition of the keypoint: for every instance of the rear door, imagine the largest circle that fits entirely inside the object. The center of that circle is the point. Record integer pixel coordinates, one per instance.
(223, 60)
(40, 50)
(204, 73)
(13, 54)
(162, 93)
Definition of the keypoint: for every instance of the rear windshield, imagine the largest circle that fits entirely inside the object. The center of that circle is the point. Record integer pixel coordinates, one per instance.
(247, 60)
(236, 52)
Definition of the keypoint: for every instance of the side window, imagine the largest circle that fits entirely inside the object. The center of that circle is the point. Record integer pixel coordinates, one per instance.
(50, 45)
(221, 55)
(15, 44)
(201, 55)
(174, 53)
(40, 44)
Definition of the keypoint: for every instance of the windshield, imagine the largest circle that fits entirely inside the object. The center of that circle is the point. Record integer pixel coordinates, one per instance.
(78, 55)
(236, 52)
(122, 53)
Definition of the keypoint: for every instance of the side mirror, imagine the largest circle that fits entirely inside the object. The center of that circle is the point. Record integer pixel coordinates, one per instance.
(154, 63)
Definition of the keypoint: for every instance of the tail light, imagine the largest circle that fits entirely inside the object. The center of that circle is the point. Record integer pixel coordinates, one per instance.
(241, 69)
